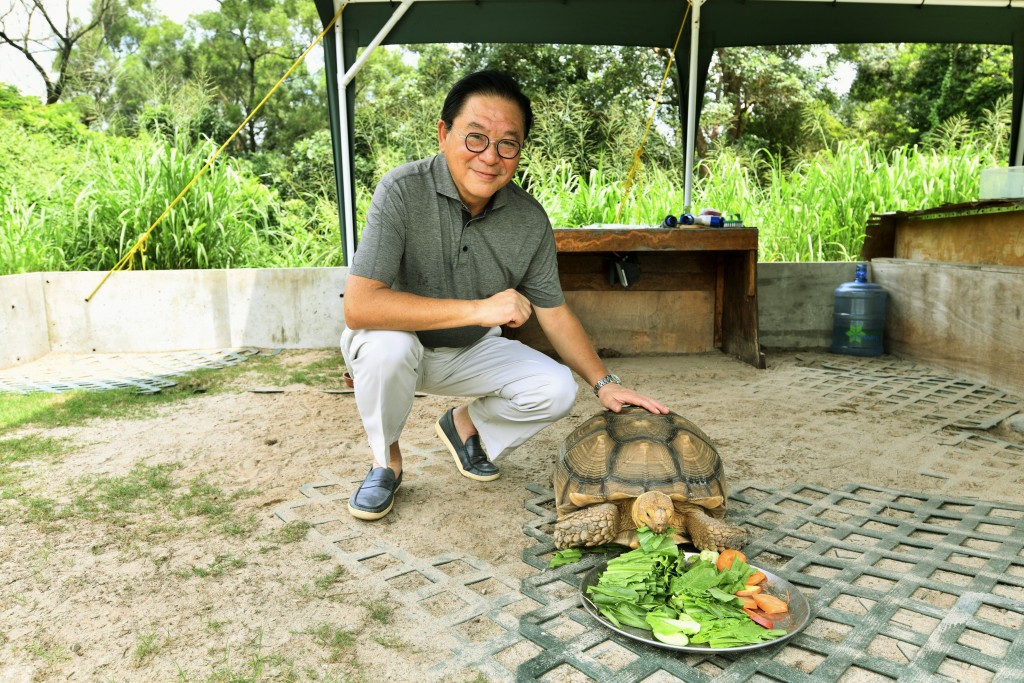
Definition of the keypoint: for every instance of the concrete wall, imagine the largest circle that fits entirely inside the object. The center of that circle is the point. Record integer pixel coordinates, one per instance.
(23, 327)
(139, 311)
(795, 302)
(966, 318)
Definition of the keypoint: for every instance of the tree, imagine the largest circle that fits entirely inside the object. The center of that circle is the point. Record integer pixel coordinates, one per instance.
(596, 99)
(245, 47)
(760, 97)
(902, 91)
(60, 35)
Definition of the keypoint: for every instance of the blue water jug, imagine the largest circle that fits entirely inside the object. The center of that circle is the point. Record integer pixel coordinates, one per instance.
(858, 321)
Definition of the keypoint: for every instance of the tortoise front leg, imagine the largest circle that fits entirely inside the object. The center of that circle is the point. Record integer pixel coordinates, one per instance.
(593, 525)
(709, 533)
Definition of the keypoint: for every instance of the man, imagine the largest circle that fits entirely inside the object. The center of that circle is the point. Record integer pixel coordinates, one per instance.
(452, 250)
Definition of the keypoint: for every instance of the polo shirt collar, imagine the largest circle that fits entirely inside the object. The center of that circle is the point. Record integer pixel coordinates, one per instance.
(446, 185)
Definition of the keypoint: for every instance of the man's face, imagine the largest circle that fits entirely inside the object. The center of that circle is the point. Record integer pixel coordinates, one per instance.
(478, 175)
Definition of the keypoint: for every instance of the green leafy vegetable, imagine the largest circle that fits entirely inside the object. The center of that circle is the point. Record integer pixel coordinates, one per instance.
(709, 556)
(652, 588)
(571, 555)
(672, 630)
(563, 557)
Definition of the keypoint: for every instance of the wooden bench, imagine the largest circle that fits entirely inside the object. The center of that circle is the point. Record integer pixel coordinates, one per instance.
(695, 291)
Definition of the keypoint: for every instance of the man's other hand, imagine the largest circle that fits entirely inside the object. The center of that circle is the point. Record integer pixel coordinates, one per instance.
(505, 308)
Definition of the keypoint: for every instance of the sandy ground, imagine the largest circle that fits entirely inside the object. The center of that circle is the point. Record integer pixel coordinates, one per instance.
(158, 591)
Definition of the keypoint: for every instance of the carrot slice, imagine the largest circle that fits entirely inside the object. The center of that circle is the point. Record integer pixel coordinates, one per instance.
(749, 590)
(748, 603)
(756, 578)
(726, 558)
(758, 619)
(769, 604)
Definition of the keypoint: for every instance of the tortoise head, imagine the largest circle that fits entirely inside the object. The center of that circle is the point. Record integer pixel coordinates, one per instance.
(653, 510)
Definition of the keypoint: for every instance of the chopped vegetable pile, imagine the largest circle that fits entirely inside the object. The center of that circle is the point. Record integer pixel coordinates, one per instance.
(701, 602)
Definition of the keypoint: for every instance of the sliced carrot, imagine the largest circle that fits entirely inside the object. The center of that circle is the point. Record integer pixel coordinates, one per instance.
(769, 604)
(748, 603)
(749, 590)
(726, 558)
(756, 578)
(758, 619)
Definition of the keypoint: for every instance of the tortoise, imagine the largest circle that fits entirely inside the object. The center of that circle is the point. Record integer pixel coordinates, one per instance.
(617, 472)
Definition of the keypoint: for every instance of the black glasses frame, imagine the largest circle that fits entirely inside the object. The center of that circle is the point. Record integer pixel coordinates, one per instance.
(484, 142)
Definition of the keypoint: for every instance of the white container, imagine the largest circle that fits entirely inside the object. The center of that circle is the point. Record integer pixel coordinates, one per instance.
(1002, 183)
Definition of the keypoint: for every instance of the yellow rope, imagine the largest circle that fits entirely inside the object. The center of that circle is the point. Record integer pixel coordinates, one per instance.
(650, 121)
(128, 258)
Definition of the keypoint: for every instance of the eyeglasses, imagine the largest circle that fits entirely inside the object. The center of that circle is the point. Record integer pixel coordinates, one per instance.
(478, 143)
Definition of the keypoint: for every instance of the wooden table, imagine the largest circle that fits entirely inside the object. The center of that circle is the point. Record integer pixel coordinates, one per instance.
(696, 291)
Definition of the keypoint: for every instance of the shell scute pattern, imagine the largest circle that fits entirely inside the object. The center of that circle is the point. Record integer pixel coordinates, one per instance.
(633, 452)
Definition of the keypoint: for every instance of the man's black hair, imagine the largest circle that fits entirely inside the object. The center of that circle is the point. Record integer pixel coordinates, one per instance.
(490, 83)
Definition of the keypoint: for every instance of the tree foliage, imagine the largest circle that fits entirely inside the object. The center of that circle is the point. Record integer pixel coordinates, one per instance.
(60, 37)
(903, 91)
(152, 89)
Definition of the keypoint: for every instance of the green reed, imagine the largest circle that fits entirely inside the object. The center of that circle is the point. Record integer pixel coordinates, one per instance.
(815, 211)
(80, 203)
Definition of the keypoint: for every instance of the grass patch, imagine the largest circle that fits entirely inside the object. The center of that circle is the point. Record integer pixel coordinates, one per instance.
(219, 567)
(392, 643)
(146, 647)
(380, 611)
(47, 652)
(338, 642)
(326, 373)
(251, 665)
(127, 503)
(71, 408)
(17, 453)
(291, 532)
(329, 579)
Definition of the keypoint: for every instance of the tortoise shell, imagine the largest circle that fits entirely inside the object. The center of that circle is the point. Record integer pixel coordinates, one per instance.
(618, 456)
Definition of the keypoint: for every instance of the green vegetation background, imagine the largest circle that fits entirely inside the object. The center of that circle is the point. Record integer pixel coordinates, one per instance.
(83, 178)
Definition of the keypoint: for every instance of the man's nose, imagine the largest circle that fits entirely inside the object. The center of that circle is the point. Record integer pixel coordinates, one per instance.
(490, 154)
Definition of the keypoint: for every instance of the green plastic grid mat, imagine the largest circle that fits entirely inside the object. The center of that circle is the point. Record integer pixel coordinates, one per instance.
(470, 608)
(890, 385)
(902, 587)
(145, 372)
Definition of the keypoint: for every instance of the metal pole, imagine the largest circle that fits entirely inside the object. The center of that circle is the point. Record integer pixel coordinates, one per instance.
(377, 40)
(1018, 155)
(346, 199)
(691, 103)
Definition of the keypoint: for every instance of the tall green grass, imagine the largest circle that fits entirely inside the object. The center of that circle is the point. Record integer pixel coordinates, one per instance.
(815, 211)
(88, 222)
(77, 200)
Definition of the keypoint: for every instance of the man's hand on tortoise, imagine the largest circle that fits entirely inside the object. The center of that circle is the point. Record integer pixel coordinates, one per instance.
(614, 396)
(505, 308)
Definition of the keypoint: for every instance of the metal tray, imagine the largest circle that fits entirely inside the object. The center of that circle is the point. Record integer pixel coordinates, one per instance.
(797, 617)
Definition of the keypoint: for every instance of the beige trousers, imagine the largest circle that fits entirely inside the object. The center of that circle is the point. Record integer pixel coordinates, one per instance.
(516, 390)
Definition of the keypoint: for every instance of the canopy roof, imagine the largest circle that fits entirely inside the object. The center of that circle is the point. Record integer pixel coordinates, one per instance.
(651, 23)
(656, 22)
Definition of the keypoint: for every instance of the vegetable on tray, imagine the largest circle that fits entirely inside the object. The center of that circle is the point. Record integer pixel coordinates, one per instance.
(707, 601)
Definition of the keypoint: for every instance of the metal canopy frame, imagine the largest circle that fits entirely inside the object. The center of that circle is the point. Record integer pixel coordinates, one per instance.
(646, 23)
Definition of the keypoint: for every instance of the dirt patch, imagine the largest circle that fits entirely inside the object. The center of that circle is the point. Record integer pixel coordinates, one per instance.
(168, 590)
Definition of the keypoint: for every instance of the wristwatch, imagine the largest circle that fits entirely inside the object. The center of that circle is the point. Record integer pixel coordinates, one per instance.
(607, 379)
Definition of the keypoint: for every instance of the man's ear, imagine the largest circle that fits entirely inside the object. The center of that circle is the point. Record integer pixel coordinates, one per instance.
(442, 133)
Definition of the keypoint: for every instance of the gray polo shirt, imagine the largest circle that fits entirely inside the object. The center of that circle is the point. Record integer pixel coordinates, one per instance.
(419, 238)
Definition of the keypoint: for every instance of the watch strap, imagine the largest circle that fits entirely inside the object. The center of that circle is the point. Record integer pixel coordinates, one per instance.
(607, 379)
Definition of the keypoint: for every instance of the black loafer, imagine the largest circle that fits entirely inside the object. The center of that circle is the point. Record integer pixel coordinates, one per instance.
(376, 495)
(470, 457)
